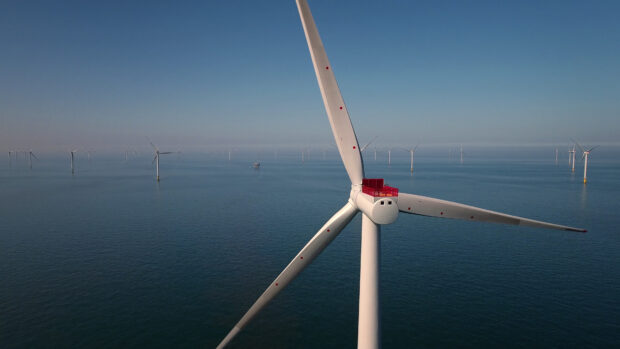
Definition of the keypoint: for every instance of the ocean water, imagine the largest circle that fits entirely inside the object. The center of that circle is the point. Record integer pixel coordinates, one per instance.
(108, 257)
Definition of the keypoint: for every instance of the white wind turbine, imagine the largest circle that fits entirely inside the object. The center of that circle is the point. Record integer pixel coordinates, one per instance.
(379, 204)
(412, 153)
(10, 158)
(461, 154)
(585, 155)
(556, 156)
(389, 155)
(156, 157)
(572, 155)
(367, 144)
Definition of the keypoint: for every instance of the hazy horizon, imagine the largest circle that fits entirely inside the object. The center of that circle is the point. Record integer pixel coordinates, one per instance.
(106, 75)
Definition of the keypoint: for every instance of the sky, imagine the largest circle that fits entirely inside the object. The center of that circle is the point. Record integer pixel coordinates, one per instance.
(205, 74)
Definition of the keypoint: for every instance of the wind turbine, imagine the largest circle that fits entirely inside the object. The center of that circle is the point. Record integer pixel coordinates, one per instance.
(585, 155)
(556, 156)
(379, 204)
(366, 146)
(10, 158)
(412, 152)
(461, 154)
(572, 155)
(72, 160)
(156, 157)
(389, 156)
(30, 156)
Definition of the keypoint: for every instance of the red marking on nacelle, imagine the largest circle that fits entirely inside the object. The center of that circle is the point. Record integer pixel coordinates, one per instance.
(441, 213)
(353, 147)
(328, 230)
(302, 257)
(409, 208)
(375, 187)
(327, 68)
(276, 284)
(340, 108)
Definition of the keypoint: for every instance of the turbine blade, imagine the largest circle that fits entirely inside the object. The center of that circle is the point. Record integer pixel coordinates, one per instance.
(154, 158)
(367, 144)
(313, 248)
(34, 156)
(594, 147)
(166, 152)
(151, 143)
(334, 104)
(427, 206)
(579, 145)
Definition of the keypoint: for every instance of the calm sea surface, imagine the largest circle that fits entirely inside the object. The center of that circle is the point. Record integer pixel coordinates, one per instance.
(110, 258)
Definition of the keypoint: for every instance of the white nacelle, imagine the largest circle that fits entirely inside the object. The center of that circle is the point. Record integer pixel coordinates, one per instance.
(381, 210)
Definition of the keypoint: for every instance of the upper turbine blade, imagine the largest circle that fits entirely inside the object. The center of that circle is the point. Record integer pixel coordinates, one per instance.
(151, 143)
(579, 145)
(426, 206)
(313, 248)
(166, 152)
(334, 104)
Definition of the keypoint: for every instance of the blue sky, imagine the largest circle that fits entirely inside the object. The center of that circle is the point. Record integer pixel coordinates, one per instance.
(209, 74)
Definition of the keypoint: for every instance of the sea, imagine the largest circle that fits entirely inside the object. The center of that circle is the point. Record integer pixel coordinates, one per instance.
(108, 257)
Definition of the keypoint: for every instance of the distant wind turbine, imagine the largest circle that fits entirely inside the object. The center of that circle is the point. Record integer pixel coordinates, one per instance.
(73, 160)
(572, 154)
(556, 156)
(30, 156)
(461, 154)
(156, 158)
(10, 158)
(367, 144)
(412, 153)
(379, 205)
(585, 155)
(389, 156)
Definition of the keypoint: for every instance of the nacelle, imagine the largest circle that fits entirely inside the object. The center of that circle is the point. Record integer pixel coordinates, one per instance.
(377, 201)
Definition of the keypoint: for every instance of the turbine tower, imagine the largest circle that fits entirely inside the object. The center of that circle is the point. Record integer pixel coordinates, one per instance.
(556, 156)
(389, 156)
(73, 160)
(156, 158)
(379, 204)
(572, 155)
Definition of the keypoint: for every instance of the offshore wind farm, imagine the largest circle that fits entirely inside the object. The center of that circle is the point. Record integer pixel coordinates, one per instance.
(98, 248)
